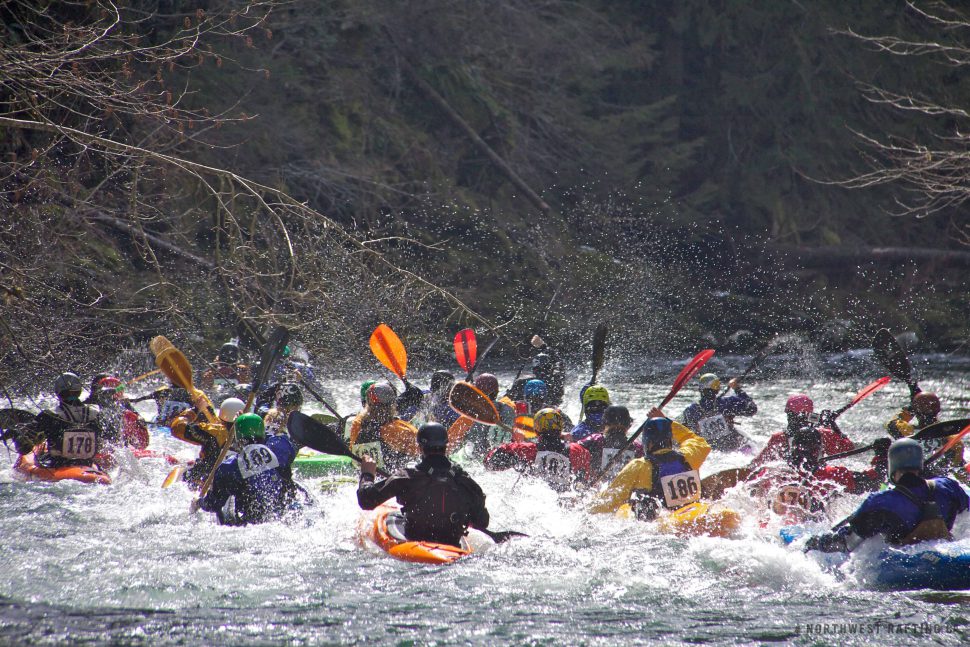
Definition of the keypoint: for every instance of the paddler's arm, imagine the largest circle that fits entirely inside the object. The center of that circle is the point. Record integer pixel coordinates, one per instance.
(637, 475)
(694, 448)
(221, 490)
(371, 494)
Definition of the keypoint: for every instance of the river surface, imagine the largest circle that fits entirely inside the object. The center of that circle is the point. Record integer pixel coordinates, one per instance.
(128, 564)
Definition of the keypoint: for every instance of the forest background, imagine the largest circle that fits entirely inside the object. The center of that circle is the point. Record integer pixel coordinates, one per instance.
(694, 173)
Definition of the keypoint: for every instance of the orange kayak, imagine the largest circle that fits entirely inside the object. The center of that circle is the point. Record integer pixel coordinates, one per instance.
(27, 467)
(384, 527)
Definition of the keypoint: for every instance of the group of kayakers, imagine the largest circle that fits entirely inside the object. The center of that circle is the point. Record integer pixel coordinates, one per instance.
(412, 433)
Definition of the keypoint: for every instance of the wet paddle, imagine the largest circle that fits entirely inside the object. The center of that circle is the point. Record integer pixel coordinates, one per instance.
(689, 371)
(938, 454)
(863, 393)
(481, 359)
(466, 351)
(936, 431)
(177, 369)
(389, 351)
(892, 357)
(753, 364)
(599, 350)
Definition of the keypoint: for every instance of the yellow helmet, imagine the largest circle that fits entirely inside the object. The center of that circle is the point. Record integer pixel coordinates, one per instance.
(549, 421)
(710, 381)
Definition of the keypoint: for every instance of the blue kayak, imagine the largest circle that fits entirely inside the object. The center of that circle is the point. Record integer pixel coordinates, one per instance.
(903, 569)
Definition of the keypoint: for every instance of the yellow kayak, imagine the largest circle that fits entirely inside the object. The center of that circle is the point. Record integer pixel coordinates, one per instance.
(694, 519)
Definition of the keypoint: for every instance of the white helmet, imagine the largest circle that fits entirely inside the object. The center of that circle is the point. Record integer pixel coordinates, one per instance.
(230, 409)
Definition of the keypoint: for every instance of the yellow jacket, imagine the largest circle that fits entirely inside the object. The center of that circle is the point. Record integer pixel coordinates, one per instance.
(638, 473)
(902, 426)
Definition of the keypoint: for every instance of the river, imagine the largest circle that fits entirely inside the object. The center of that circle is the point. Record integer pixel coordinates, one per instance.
(128, 564)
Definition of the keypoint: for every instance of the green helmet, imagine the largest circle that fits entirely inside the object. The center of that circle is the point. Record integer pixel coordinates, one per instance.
(595, 393)
(363, 390)
(250, 427)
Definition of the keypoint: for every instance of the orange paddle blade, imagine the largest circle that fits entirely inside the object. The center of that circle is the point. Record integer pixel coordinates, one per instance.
(870, 389)
(389, 351)
(175, 367)
(471, 402)
(158, 344)
(466, 349)
(173, 477)
(525, 425)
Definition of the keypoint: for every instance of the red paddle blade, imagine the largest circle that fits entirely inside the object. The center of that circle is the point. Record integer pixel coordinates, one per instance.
(466, 349)
(687, 373)
(870, 389)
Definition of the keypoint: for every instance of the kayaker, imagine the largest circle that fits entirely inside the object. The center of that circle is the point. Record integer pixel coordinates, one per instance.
(664, 477)
(549, 367)
(439, 500)
(712, 417)
(171, 402)
(122, 424)
(484, 437)
(435, 407)
(536, 394)
(377, 431)
(595, 398)
(257, 476)
(227, 370)
(798, 410)
(289, 398)
(516, 396)
(925, 408)
(558, 463)
(72, 430)
(209, 436)
(801, 488)
(915, 510)
(604, 446)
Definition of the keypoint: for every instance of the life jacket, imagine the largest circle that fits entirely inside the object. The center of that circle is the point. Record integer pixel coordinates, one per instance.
(264, 493)
(438, 507)
(73, 432)
(931, 523)
(606, 454)
(675, 482)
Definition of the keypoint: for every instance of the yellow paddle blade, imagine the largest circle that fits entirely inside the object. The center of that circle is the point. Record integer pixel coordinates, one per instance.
(389, 351)
(175, 367)
(525, 425)
(471, 402)
(173, 477)
(158, 344)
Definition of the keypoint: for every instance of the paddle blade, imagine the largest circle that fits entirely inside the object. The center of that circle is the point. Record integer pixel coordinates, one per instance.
(949, 445)
(941, 429)
(525, 425)
(689, 371)
(272, 351)
(892, 356)
(173, 477)
(471, 402)
(315, 435)
(599, 349)
(389, 351)
(870, 389)
(502, 535)
(175, 367)
(713, 486)
(158, 344)
(466, 349)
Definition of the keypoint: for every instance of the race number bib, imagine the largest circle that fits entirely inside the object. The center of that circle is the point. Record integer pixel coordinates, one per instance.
(79, 444)
(791, 496)
(223, 381)
(256, 459)
(681, 489)
(170, 409)
(608, 454)
(370, 449)
(713, 427)
(554, 469)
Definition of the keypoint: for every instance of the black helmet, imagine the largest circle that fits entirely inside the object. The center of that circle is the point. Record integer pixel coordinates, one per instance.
(617, 415)
(543, 366)
(67, 384)
(288, 394)
(229, 353)
(432, 435)
(441, 380)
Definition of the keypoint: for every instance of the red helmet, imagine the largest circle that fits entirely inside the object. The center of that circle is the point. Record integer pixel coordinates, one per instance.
(488, 384)
(926, 404)
(799, 403)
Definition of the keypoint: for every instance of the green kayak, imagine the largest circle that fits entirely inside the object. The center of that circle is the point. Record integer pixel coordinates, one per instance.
(313, 464)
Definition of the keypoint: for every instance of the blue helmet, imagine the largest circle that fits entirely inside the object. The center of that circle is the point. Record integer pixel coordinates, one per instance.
(535, 389)
(658, 433)
(905, 454)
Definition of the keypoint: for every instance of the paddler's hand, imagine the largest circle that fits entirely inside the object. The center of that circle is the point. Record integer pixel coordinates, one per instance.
(656, 413)
(194, 506)
(734, 384)
(368, 466)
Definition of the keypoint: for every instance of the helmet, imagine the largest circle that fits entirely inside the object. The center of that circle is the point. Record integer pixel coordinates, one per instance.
(363, 390)
(286, 351)
(517, 390)
(381, 393)
(67, 384)
(800, 403)
(109, 382)
(658, 433)
(905, 454)
(441, 381)
(595, 393)
(230, 409)
(487, 384)
(288, 394)
(926, 405)
(249, 426)
(229, 353)
(433, 435)
(549, 421)
(710, 382)
(534, 389)
(617, 415)
(805, 447)
(543, 366)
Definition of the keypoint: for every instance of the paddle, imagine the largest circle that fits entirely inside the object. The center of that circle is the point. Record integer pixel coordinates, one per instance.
(466, 350)
(892, 357)
(389, 351)
(689, 371)
(536, 342)
(12, 418)
(753, 364)
(864, 393)
(713, 486)
(178, 370)
(938, 454)
(935, 431)
(481, 358)
(272, 351)
(599, 350)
